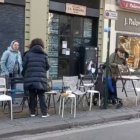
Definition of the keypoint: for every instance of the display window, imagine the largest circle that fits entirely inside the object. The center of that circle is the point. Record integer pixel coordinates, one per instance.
(131, 44)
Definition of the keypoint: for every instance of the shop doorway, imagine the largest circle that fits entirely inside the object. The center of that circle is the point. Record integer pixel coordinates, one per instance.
(74, 36)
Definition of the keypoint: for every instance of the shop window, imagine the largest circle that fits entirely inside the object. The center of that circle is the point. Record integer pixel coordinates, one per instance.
(131, 44)
(65, 25)
(77, 26)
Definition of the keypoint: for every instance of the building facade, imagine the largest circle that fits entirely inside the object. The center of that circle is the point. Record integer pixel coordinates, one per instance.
(125, 30)
(12, 23)
(70, 31)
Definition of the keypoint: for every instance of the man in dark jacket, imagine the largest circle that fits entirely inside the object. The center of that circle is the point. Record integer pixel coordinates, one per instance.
(35, 66)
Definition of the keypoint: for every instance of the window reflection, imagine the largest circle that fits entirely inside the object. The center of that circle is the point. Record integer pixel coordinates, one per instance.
(65, 25)
(78, 27)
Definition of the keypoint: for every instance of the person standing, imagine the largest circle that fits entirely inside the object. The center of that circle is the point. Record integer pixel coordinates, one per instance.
(35, 66)
(11, 64)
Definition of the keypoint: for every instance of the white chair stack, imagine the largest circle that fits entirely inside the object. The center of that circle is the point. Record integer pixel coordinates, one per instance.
(3, 96)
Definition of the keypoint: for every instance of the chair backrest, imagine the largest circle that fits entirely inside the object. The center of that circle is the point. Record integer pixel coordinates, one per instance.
(3, 88)
(49, 84)
(70, 82)
(86, 79)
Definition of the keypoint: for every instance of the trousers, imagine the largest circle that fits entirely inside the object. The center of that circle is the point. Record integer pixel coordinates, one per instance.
(34, 95)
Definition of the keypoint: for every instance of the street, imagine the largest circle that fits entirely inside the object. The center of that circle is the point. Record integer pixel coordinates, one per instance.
(129, 130)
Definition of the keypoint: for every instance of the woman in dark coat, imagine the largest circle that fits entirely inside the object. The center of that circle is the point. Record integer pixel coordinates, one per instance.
(35, 66)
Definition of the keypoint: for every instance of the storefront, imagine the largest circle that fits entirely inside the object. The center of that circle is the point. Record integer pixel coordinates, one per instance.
(73, 30)
(128, 30)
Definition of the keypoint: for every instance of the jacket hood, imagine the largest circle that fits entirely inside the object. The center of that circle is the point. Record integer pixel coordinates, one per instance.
(37, 49)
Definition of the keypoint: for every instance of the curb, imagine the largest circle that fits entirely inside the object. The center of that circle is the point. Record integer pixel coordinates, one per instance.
(69, 125)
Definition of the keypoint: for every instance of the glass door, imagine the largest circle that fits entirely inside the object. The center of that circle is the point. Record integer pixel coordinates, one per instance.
(70, 44)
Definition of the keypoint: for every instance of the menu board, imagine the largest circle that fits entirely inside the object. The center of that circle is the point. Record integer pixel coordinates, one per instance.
(53, 71)
(53, 55)
(53, 43)
(88, 28)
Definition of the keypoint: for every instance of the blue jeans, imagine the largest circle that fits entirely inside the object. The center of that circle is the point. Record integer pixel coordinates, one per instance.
(112, 90)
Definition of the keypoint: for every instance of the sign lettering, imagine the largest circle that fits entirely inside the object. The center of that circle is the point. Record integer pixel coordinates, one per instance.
(131, 22)
(75, 9)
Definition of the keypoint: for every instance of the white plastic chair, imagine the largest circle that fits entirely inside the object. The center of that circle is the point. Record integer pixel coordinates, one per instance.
(92, 92)
(71, 83)
(51, 93)
(3, 96)
(64, 96)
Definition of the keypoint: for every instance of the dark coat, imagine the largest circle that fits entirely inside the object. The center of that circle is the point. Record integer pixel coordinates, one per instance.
(35, 66)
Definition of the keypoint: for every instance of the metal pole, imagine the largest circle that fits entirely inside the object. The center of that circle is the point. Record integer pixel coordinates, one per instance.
(107, 67)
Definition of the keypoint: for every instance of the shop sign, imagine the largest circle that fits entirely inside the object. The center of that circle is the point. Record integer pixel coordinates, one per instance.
(131, 22)
(111, 14)
(130, 4)
(75, 9)
(128, 21)
(1, 1)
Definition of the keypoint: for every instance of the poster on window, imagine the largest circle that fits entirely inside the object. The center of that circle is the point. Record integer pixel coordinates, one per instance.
(64, 44)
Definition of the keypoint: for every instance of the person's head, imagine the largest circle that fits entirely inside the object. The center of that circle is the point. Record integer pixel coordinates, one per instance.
(120, 52)
(37, 41)
(15, 45)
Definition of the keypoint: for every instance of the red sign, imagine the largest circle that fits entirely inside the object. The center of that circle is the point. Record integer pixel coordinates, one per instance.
(130, 4)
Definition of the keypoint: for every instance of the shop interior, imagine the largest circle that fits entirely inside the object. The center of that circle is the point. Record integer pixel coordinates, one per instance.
(131, 44)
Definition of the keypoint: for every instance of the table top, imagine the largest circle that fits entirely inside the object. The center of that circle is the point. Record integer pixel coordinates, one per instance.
(129, 77)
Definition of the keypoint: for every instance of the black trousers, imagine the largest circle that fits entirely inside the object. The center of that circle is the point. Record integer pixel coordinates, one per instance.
(33, 94)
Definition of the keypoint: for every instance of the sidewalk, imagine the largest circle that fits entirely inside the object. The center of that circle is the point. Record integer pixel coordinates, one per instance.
(27, 125)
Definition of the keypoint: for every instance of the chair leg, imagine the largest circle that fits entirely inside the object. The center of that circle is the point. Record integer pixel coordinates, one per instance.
(136, 101)
(54, 103)
(74, 107)
(60, 103)
(90, 101)
(99, 100)
(23, 102)
(63, 107)
(49, 99)
(11, 110)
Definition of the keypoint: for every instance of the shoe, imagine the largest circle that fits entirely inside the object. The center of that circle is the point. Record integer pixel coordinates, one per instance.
(32, 115)
(45, 116)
